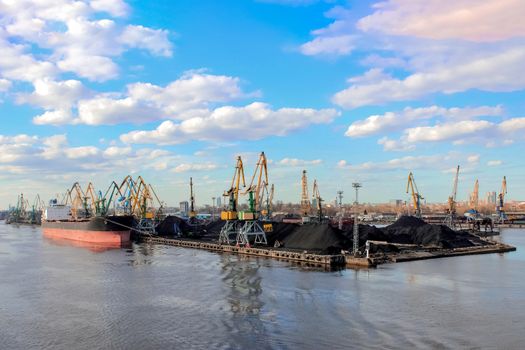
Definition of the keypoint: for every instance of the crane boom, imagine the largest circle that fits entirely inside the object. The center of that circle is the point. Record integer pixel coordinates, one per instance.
(256, 187)
(416, 197)
(318, 201)
(233, 192)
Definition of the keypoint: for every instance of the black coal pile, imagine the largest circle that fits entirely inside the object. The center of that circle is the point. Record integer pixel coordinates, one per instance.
(411, 230)
(328, 238)
(177, 226)
(316, 237)
(366, 232)
(171, 226)
(280, 231)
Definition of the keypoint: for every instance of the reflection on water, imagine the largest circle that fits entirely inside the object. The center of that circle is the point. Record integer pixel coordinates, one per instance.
(94, 247)
(56, 296)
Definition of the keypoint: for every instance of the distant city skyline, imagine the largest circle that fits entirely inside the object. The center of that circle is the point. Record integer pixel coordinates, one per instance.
(363, 91)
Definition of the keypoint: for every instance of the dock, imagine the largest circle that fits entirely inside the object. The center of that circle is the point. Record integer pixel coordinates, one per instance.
(337, 260)
(328, 261)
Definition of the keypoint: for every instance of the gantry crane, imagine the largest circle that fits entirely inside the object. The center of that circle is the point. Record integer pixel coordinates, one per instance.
(306, 207)
(500, 209)
(318, 201)
(230, 215)
(450, 220)
(416, 196)
(250, 227)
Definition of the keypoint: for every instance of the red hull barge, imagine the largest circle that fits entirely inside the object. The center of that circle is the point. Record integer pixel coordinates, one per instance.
(101, 230)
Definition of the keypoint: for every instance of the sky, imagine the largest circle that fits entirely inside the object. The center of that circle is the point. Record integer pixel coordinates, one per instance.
(366, 91)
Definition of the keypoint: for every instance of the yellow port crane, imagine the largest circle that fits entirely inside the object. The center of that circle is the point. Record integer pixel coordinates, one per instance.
(256, 187)
(305, 200)
(416, 196)
(230, 215)
(318, 201)
(268, 200)
(233, 192)
(76, 197)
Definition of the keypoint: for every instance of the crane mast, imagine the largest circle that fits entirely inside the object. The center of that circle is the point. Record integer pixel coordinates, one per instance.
(416, 197)
(305, 201)
(229, 215)
(256, 188)
(318, 201)
(450, 219)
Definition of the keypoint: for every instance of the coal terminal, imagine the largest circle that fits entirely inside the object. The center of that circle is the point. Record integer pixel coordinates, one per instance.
(326, 238)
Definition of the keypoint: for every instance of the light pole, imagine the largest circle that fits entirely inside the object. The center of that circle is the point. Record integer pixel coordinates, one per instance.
(356, 185)
(212, 208)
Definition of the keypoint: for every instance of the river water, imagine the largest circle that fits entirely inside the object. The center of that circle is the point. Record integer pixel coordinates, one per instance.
(57, 296)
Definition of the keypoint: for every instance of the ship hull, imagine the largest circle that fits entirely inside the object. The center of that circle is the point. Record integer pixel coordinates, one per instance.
(110, 230)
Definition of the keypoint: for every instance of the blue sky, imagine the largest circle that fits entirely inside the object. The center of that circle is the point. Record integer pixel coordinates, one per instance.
(349, 90)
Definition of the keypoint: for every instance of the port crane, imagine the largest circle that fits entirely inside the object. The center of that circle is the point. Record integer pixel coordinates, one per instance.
(230, 214)
(450, 220)
(306, 206)
(416, 196)
(77, 198)
(251, 227)
(500, 209)
(318, 201)
(266, 213)
(36, 210)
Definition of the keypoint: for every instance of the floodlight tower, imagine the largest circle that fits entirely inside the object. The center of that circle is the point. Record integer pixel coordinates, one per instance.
(355, 250)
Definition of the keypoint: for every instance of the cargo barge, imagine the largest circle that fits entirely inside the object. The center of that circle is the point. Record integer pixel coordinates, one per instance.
(58, 223)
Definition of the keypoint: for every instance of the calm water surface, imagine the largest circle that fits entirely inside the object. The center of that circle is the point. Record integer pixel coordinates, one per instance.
(58, 296)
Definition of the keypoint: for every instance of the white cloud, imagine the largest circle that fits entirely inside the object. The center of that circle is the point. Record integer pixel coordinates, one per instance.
(499, 72)
(55, 95)
(490, 134)
(409, 163)
(294, 162)
(250, 122)
(116, 152)
(55, 117)
(392, 121)
(185, 167)
(446, 131)
(34, 156)
(4, 85)
(326, 45)
(512, 125)
(154, 40)
(335, 39)
(494, 162)
(482, 21)
(81, 152)
(79, 40)
(103, 110)
(117, 8)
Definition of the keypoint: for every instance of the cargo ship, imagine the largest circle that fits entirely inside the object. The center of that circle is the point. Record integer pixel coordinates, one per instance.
(59, 223)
